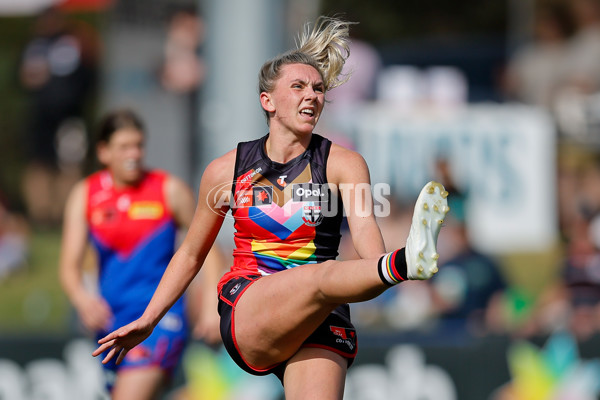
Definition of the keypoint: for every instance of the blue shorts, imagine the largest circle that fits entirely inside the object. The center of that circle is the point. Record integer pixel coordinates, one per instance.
(163, 349)
(336, 333)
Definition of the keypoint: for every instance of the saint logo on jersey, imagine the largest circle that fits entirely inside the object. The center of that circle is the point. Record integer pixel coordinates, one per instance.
(311, 215)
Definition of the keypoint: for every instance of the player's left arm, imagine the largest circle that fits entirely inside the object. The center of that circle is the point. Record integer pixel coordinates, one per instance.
(348, 170)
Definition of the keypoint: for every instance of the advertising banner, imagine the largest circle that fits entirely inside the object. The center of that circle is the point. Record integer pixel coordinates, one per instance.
(502, 156)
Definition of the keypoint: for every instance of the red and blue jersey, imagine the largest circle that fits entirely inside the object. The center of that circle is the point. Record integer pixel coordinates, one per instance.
(285, 214)
(133, 231)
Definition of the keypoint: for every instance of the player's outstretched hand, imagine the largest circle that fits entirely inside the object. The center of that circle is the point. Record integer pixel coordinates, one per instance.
(122, 340)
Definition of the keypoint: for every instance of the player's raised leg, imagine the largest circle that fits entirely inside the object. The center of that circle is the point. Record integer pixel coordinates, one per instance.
(278, 312)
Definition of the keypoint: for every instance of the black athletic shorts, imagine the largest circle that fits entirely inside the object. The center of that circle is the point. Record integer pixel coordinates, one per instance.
(336, 333)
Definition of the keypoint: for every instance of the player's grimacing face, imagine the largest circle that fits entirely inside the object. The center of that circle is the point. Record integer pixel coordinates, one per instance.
(124, 155)
(298, 97)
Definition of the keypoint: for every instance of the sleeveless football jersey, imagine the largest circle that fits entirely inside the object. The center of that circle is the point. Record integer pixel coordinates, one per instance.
(133, 232)
(285, 214)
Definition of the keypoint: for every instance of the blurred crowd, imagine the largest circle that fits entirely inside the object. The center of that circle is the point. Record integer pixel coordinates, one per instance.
(557, 70)
(59, 72)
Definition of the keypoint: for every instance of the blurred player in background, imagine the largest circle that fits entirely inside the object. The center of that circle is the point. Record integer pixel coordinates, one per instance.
(131, 215)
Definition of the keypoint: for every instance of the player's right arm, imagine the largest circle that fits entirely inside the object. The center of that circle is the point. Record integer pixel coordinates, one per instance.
(93, 310)
(202, 299)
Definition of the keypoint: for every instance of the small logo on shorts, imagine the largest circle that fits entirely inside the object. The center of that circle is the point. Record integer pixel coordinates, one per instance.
(139, 353)
(345, 336)
(235, 289)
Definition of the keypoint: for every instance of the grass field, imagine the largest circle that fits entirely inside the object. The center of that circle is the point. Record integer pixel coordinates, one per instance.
(31, 300)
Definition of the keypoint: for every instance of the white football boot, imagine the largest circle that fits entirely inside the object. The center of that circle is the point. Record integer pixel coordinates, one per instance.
(420, 251)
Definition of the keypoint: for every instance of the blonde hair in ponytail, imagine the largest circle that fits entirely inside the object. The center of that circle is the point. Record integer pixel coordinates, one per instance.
(328, 44)
(324, 46)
